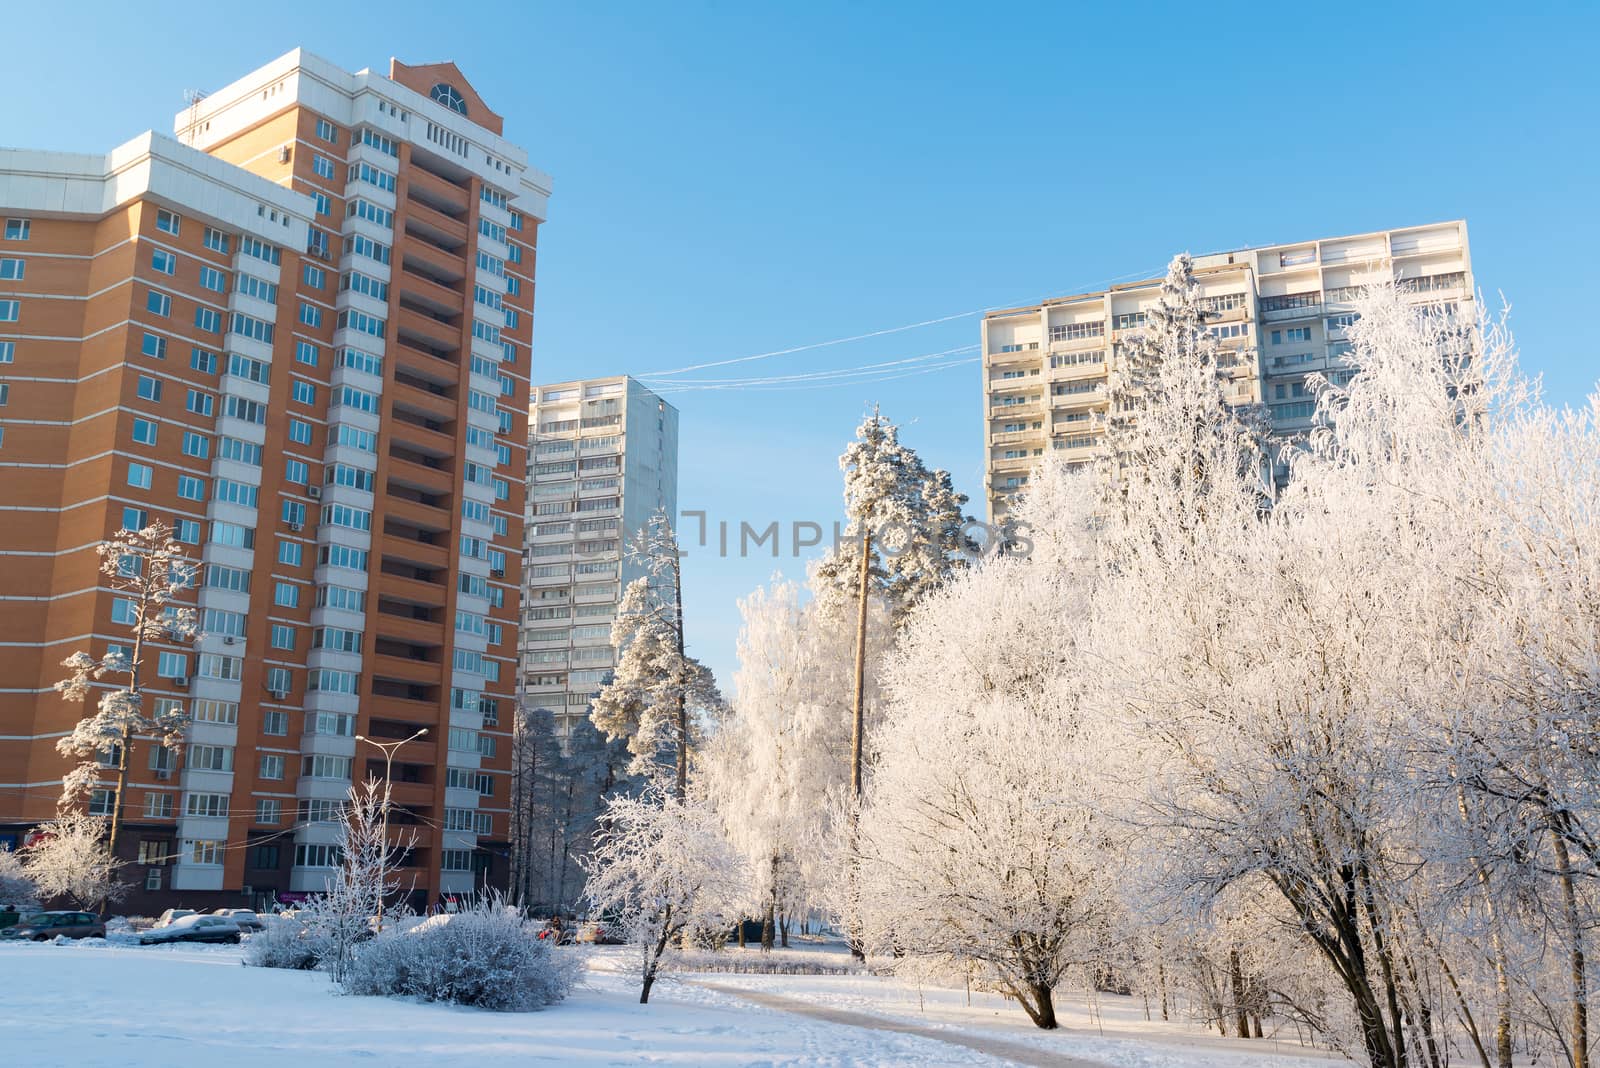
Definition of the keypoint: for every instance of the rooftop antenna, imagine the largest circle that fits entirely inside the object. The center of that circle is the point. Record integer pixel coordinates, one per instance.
(193, 97)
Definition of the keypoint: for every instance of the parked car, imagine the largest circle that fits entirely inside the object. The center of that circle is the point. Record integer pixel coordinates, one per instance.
(170, 915)
(245, 918)
(43, 926)
(193, 929)
(600, 933)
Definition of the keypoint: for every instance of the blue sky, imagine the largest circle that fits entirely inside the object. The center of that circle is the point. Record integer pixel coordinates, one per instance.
(733, 179)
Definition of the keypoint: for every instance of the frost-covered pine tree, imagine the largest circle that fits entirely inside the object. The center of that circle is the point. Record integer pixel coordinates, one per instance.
(149, 572)
(661, 864)
(1169, 419)
(901, 542)
(659, 697)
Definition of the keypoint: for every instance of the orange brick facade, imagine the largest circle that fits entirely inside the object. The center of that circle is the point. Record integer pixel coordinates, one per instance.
(98, 368)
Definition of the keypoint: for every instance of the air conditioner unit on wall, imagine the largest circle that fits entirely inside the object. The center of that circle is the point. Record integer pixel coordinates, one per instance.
(498, 572)
(283, 154)
(279, 695)
(297, 527)
(314, 492)
(181, 682)
(228, 640)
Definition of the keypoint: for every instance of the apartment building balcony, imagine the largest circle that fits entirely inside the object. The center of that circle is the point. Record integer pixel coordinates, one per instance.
(1078, 340)
(1016, 465)
(435, 228)
(435, 480)
(420, 514)
(438, 193)
(411, 551)
(1291, 306)
(407, 629)
(441, 266)
(405, 669)
(423, 401)
(411, 323)
(431, 595)
(1074, 371)
(1011, 437)
(1092, 398)
(1022, 353)
(420, 289)
(1024, 408)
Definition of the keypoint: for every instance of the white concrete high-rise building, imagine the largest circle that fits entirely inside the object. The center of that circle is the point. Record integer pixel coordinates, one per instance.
(602, 459)
(1285, 309)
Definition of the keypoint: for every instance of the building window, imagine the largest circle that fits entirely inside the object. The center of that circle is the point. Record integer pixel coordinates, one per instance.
(208, 319)
(154, 346)
(17, 229)
(314, 277)
(199, 403)
(268, 810)
(187, 531)
(172, 666)
(163, 261)
(290, 552)
(304, 392)
(322, 166)
(300, 432)
(265, 856)
(216, 240)
(140, 476)
(8, 351)
(167, 222)
(282, 636)
(327, 131)
(202, 851)
(10, 310)
(196, 445)
(158, 303)
(275, 721)
(203, 361)
(134, 519)
(286, 595)
(102, 802)
(272, 766)
(144, 432)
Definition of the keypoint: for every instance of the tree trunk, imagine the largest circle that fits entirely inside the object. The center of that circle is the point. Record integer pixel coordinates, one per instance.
(1241, 1021)
(120, 790)
(1574, 932)
(783, 931)
(1502, 983)
(683, 706)
(858, 727)
(1042, 1011)
(769, 921)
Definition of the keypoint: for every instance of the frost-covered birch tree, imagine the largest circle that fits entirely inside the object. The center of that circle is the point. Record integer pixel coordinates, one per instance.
(661, 864)
(70, 858)
(149, 573)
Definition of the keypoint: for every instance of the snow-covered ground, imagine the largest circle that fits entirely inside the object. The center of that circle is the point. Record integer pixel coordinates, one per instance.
(93, 1003)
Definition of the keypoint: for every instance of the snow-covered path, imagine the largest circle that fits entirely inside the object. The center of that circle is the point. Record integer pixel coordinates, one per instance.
(1011, 1052)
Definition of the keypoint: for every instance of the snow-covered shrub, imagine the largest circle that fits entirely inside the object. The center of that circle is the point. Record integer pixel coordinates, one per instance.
(286, 944)
(487, 957)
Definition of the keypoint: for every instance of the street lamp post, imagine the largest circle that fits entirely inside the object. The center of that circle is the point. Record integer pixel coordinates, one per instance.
(388, 771)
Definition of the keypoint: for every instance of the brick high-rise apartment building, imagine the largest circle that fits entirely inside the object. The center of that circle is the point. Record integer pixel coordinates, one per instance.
(603, 460)
(300, 333)
(1285, 308)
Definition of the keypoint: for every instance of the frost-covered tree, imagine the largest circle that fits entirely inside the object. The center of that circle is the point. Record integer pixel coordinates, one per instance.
(17, 888)
(902, 540)
(1170, 420)
(979, 849)
(367, 874)
(659, 697)
(71, 858)
(535, 773)
(149, 572)
(661, 864)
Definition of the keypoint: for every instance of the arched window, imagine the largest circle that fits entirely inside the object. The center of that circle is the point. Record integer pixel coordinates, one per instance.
(450, 97)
